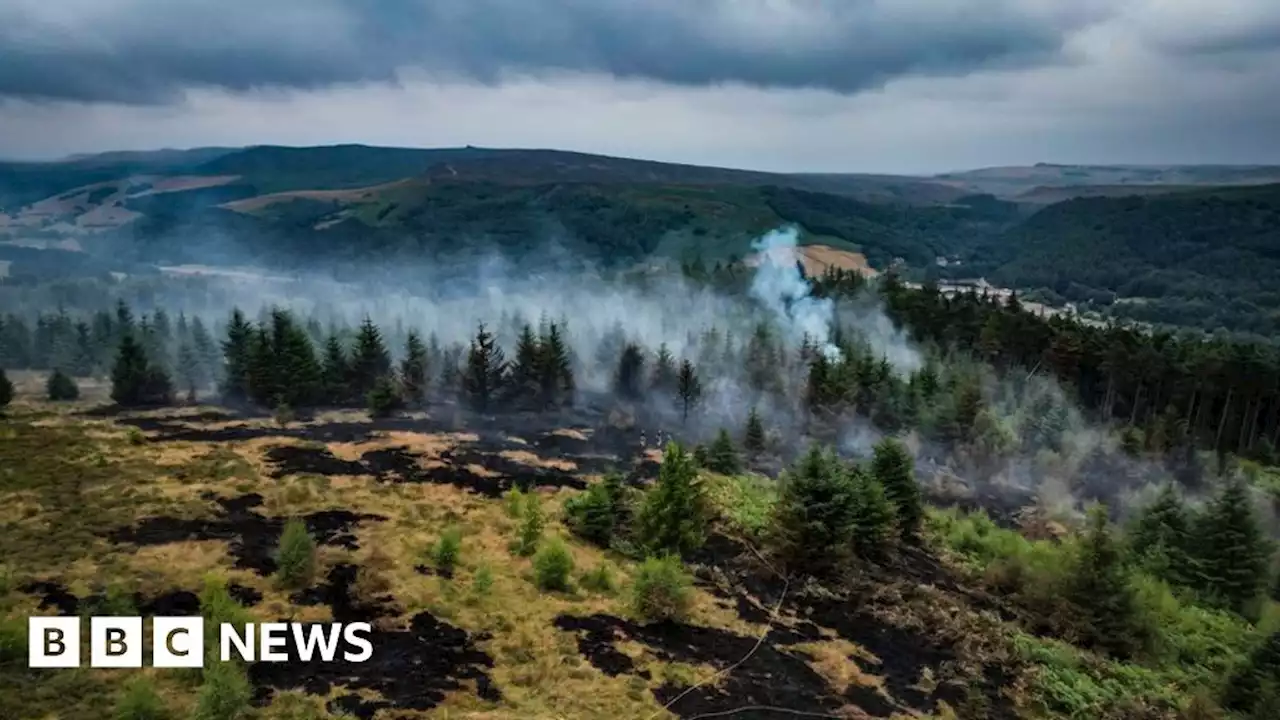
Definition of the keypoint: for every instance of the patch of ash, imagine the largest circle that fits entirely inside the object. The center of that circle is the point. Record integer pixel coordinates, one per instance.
(294, 460)
(411, 669)
(253, 537)
(771, 676)
(54, 595)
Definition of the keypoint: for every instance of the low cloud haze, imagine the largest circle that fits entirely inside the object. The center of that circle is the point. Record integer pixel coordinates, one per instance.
(908, 86)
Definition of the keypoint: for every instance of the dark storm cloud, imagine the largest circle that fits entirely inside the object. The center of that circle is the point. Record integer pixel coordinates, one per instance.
(148, 51)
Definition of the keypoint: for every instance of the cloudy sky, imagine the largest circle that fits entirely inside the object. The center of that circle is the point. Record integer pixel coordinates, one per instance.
(822, 85)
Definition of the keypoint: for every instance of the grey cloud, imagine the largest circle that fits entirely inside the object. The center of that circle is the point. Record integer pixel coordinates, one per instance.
(149, 51)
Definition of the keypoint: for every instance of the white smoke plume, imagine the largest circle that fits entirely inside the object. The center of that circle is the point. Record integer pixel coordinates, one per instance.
(779, 285)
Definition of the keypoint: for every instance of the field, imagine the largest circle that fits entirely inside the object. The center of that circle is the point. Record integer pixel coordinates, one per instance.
(145, 508)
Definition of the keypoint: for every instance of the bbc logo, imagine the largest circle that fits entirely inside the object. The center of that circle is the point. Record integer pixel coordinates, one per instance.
(178, 642)
(115, 642)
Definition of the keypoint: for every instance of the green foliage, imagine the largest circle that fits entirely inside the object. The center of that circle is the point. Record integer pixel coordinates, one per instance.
(532, 522)
(873, 520)
(595, 514)
(139, 701)
(225, 692)
(553, 566)
(384, 399)
(628, 380)
(753, 440)
(816, 515)
(1247, 689)
(892, 467)
(134, 381)
(296, 555)
(447, 550)
(513, 502)
(600, 578)
(1231, 554)
(722, 456)
(413, 369)
(746, 502)
(661, 590)
(1160, 538)
(673, 514)
(13, 642)
(486, 371)
(1099, 587)
(482, 583)
(688, 388)
(60, 387)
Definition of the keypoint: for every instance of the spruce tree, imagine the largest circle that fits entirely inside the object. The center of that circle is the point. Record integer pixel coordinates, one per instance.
(83, 360)
(1099, 589)
(335, 372)
(237, 352)
(485, 373)
(722, 456)
(873, 516)
(188, 369)
(524, 382)
(384, 399)
(753, 439)
(1247, 687)
(134, 381)
(264, 383)
(688, 388)
(628, 380)
(674, 513)
(60, 387)
(206, 350)
(664, 371)
(413, 369)
(369, 361)
(1231, 552)
(815, 515)
(1160, 538)
(6, 389)
(556, 370)
(298, 374)
(893, 468)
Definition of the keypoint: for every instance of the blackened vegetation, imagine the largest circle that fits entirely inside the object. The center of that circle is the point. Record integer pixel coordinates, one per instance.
(410, 669)
(253, 537)
(54, 595)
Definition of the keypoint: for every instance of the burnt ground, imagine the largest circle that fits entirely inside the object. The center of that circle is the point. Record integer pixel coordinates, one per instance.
(57, 596)
(253, 537)
(411, 669)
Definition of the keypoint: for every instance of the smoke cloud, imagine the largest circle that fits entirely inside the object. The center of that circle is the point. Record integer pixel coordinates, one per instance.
(779, 285)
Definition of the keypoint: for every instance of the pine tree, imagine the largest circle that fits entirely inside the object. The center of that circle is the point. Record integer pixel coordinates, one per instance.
(815, 515)
(1099, 589)
(753, 440)
(237, 351)
(299, 380)
(555, 368)
(383, 399)
(60, 387)
(1231, 552)
(873, 517)
(524, 382)
(264, 386)
(628, 381)
(664, 371)
(6, 390)
(413, 369)
(485, 373)
(370, 360)
(335, 371)
(189, 370)
(1160, 537)
(893, 468)
(1246, 689)
(722, 456)
(83, 361)
(688, 388)
(134, 381)
(674, 513)
(206, 351)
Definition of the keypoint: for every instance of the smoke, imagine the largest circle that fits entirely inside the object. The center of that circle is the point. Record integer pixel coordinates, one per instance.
(781, 287)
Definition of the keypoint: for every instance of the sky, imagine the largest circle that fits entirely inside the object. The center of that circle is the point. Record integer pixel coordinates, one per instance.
(895, 86)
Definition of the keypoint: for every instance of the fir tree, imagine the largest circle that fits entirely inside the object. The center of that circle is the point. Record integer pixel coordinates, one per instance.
(722, 456)
(664, 371)
(383, 399)
(1231, 552)
(674, 513)
(61, 387)
(237, 351)
(189, 370)
(6, 389)
(555, 368)
(815, 515)
(134, 382)
(753, 440)
(688, 388)
(1099, 588)
(206, 351)
(1160, 537)
(264, 385)
(413, 369)
(485, 373)
(628, 380)
(299, 381)
(335, 371)
(524, 383)
(1247, 687)
(873, 517)
(83, 360)
(369, 361)
(893, 468)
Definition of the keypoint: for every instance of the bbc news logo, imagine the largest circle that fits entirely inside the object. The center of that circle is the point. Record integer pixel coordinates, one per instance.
(178, 642)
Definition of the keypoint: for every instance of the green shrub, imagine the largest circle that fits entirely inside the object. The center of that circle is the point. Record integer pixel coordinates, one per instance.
(13, 641)
(662, 590)
(447, 550)
(60, 387)
(296, 555)
(599, 578)
(482, 583)
(225, 692)
(590, 515)
(140, 702)
(552, 566)
(513, 502)
(531, 524)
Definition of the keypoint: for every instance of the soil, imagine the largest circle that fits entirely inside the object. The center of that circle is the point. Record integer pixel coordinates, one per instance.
(253, 537)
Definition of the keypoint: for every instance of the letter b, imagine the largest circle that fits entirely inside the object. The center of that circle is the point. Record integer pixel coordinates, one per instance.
(53, 642)
(115, 642)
